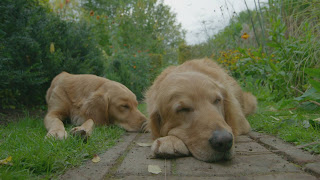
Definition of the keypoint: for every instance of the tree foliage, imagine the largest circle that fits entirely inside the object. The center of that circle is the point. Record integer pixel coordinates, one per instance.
(127, 41)
(26, 63)
(139, 37)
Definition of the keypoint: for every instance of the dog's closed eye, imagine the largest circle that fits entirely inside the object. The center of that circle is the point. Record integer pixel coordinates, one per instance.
(184, 110)
(125, 106)
(217, 100)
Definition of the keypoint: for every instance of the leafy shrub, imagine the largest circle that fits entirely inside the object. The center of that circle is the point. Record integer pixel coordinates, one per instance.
(311, 98)
(35, 46)
(136, 70)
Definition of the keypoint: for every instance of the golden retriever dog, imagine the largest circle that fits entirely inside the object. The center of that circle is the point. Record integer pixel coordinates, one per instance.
(197, 108)
(88, 100)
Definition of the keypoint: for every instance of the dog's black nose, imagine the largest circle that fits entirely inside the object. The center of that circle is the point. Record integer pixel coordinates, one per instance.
(221, 140)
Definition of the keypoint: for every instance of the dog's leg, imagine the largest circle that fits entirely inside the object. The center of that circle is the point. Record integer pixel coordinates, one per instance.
(54, 126)
(85, 130)
(169, 147)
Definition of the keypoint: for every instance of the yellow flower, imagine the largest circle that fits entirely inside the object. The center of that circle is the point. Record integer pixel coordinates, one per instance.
(52, 48)
(245, 36)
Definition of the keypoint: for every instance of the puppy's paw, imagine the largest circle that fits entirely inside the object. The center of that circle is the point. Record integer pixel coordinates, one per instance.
(169, 147)
(80, 131)
(57, 134)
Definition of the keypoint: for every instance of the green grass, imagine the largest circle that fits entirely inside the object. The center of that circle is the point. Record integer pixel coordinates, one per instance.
(35, 157)
(143, 108)
(286, 120)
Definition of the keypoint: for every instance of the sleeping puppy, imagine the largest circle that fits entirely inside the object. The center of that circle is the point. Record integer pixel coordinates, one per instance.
(197, 108)
(88, 100)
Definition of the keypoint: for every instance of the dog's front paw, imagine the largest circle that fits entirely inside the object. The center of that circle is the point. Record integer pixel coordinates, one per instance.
(169, 147)
(80, 131)
(57, 134)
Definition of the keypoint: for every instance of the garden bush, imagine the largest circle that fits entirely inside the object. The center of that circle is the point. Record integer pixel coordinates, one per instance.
(129, 43)
(36, 45)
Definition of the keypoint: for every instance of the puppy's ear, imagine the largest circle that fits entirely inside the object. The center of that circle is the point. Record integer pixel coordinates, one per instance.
(234, 116)
(105, 103)
(96, 106)
(249, 103)
(155, 124)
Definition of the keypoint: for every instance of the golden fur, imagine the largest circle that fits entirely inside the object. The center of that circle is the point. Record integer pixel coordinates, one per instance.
(186, 103)
(88, 100)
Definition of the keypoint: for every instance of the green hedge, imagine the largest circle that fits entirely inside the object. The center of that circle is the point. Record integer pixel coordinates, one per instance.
(27, 65)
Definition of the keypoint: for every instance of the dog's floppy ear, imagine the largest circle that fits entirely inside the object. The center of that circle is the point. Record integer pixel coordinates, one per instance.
(96, 106)
(234, 116)
(154, 124)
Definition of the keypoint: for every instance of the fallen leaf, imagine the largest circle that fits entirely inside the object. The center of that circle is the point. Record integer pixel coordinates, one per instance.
(154, 169)
(6, 161)
(306, 124)
(275, 118)
(95, 158)
(272, 109)
(145, 144)
(315, 122)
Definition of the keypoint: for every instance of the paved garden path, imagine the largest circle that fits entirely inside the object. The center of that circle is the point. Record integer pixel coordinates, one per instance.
(258, 156)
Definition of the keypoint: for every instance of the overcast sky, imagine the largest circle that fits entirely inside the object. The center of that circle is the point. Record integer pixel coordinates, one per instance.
(205, 17)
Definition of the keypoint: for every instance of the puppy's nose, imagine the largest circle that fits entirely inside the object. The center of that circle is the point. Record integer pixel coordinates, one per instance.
(221, 140)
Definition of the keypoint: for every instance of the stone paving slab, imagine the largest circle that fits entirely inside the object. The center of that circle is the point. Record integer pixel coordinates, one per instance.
(314, 168)
(138, 159)
(240, 165)
(283, 176)
(293, 154)
(250, 148)
(242, 138)
(92, 170)
(258, 156)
